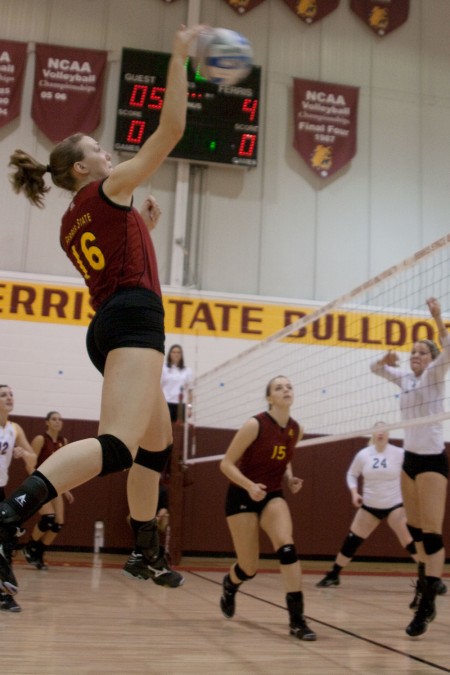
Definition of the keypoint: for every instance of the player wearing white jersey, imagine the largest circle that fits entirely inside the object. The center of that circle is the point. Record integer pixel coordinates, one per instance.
(13, 444)
(425, 471)
(379, 465)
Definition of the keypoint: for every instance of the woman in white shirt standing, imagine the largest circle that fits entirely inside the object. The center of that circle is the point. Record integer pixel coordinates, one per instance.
(176, 383)
(425, 468)
(379, 465)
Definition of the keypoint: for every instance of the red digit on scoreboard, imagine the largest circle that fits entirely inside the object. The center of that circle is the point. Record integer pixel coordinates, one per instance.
(157, 96)
(138, 95)
(136, 131)
(247, 145)
(250, 106)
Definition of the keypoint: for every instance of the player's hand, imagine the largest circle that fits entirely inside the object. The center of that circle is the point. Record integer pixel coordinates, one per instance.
(184, 37)
(257, 492)
(19, 452)
(391, 359)
(295, 484)
(434, 306)
(357, 501)
(150, 212)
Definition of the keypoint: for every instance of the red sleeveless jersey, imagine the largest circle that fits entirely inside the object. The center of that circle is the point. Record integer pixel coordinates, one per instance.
(50, 446)
(109, 244)
(265, 460)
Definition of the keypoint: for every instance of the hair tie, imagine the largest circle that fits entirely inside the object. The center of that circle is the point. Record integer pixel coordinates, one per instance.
(48, 168)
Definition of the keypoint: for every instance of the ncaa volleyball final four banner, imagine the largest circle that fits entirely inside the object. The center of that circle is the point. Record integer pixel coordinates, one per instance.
(13, 56)
(68, 90)
(325, 123)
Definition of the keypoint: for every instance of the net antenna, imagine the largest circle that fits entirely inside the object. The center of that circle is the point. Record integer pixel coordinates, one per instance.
(327, 353)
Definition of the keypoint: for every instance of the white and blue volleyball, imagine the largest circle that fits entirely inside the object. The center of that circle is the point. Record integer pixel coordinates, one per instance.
(223, 56)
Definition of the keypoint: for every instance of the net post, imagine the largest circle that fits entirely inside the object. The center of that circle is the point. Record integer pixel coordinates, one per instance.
(176, 494)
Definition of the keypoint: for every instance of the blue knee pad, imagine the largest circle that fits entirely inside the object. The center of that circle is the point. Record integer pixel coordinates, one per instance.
(432, 542)
(115, 454)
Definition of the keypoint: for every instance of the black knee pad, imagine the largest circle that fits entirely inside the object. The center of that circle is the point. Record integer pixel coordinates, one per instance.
(415, 532)
(156, 461)
(56, 527)
(241, 575)
(46, 522)
(411, 548)
(115, 454)
(432, 542)
(287, 555)
(351, 544)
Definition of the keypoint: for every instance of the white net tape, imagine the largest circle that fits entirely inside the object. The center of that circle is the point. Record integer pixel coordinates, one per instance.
(327, 353)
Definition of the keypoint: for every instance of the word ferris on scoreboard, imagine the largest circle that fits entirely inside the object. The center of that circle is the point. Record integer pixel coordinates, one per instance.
(222, 121)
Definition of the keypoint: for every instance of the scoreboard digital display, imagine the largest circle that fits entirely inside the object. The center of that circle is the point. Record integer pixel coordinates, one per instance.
(221, 124)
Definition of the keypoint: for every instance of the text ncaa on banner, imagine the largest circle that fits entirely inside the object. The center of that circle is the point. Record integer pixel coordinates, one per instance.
(311, 11)
(325, 117)
(13, 56)
(68, 89)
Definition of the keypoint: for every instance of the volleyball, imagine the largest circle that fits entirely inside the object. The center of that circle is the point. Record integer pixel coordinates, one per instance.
(223, 56)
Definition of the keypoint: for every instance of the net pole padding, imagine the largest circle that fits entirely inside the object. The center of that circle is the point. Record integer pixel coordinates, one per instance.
(328, 307)
(176, 495)
(320, 440)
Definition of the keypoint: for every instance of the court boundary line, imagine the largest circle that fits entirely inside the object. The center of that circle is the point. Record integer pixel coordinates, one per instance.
(341, 630)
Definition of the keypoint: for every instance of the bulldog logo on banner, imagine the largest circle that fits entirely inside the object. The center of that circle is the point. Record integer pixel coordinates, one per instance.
(68, 88)
(382, 16)
(243, 6)
(311, 11)
(13, 57)
(325, 119)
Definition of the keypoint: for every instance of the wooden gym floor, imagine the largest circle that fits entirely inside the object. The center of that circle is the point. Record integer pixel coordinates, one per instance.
(83, 616)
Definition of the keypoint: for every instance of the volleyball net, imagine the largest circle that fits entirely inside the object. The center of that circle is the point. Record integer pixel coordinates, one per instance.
(326, 353)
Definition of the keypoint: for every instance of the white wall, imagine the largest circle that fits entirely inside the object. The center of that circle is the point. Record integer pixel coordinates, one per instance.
(276, 230)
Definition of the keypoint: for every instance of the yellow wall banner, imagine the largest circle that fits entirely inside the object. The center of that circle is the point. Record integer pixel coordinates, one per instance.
(223, 318)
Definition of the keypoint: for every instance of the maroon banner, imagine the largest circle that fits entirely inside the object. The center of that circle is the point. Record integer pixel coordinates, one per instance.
(311, 11)
(325, 117)
(13, 57)
(382, 16)
(68, 88)
(243, 6)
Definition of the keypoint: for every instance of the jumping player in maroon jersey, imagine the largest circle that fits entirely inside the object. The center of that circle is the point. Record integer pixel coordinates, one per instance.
(108, 241)
(256, 462)
(51, 521)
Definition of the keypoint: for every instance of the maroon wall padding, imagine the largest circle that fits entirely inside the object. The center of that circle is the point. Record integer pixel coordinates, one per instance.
(100, 499)
(321, 511)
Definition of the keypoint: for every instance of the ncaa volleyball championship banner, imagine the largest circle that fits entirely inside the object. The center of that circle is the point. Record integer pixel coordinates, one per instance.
(68, 90)
(325, 122)
(381, 16)
(12, 68)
